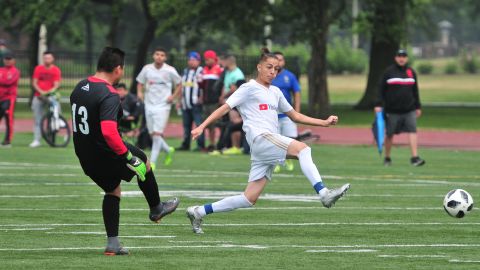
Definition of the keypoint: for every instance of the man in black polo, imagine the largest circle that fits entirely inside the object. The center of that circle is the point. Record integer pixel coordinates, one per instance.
(398, 98)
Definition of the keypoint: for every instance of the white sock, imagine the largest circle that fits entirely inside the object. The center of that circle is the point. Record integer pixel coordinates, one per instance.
(225, 205)
(309, 169)
(163, 144)
(156, 145)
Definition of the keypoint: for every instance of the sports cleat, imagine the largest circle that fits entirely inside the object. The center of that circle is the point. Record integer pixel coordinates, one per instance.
(215, 153)
(163, 209)
(330, 196)
(6, 144)
(417, 161)
(195, 219)
(153, 166)
(277, 169)
(114, 252)
(35, 144)
(289, 165)
(233, 151)
(387, 162)
(169, 157)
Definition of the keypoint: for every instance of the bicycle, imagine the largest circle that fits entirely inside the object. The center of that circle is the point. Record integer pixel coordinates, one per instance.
(55, 129)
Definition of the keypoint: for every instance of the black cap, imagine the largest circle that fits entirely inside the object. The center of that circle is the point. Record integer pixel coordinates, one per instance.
(8, 55)
(402, 52)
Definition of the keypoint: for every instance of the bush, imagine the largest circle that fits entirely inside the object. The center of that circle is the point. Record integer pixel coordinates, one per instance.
(469, 62)
(451, 68)
(425, 68)
(341, 58)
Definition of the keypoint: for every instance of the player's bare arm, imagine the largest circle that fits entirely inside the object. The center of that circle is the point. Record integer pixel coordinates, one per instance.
(303, 119)
(176, 94)
(297, 101)
(140, 91)
(217, 114)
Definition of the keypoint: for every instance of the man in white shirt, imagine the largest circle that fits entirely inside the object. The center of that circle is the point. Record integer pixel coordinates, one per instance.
(155, 84)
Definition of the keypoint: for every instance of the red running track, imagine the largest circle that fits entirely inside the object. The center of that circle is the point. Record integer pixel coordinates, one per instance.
(461, 140)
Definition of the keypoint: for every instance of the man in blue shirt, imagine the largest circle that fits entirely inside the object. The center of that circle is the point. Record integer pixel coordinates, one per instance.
(288, 84)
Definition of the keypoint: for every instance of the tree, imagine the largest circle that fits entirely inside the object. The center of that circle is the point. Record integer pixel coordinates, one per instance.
(388, 30)
(311, 21)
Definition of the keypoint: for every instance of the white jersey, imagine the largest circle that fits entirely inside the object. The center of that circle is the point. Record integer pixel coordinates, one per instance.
(158, 85)
(259, 107)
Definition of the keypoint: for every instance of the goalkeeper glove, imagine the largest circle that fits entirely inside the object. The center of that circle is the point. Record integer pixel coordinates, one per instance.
(136, 165)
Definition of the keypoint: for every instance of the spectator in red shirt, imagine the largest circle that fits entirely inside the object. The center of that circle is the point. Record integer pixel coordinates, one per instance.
(9, 76)
(46, 80)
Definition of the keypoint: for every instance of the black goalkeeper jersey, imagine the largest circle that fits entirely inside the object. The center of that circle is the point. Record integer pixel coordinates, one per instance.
(94, 102)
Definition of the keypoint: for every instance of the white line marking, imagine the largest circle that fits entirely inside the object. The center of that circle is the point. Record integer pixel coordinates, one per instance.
(260, 224)
(27, 229)
(340, 250)
(80, 233)
(39, 174)
(412, 256)
(44, 196)
(148, 236)
(186, 241)
(463, 261)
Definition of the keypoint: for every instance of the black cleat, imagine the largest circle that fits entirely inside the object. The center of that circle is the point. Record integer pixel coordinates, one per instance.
(114, 252)
(163, 209)
(387, 162)
(417, 161)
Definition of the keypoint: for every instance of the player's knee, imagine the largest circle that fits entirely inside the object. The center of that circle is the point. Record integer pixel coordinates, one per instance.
(117, 192)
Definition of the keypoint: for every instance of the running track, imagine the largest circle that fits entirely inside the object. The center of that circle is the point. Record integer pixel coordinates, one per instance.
(342, 135)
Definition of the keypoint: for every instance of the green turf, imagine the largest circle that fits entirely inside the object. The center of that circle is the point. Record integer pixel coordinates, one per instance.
(407, 197)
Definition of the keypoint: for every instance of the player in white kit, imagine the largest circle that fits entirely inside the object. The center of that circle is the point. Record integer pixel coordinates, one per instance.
(155, 84)
(259, 104)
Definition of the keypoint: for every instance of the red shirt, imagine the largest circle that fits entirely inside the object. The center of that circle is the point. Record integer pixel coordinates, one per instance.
(8, 82)
(46, 77)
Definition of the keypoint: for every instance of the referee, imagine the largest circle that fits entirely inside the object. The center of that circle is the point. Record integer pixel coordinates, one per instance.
(398, 98)
(104, 157)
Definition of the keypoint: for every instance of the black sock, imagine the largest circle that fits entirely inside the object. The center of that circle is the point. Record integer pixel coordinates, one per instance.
(111, 214)
(149, 188)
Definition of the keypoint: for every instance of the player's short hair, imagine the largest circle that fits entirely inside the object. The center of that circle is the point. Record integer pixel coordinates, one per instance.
(266, 54)
(278, 53)
(231, 57)
(160, 49)
(48, 52)
(110, 59)
(121, 85)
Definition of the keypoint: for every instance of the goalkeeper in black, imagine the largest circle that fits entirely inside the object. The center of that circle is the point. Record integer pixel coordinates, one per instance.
(104, 157)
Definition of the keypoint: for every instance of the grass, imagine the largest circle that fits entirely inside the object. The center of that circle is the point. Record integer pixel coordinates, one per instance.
(393, 218)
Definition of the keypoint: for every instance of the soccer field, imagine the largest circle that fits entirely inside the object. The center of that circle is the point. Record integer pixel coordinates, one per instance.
(392, 217)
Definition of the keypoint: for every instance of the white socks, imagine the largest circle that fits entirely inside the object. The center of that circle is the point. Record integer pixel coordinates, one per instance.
(309, 169)
(225, 205)
(158, 144)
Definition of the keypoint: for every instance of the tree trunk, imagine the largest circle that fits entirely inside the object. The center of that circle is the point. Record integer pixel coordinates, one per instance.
(114, 21)
(387, 33)
(33, 56)
(143, 45)
(318, 100)
(88, 42)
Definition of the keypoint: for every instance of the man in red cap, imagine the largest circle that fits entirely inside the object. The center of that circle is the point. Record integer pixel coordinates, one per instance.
(9, 76)
(211, 93)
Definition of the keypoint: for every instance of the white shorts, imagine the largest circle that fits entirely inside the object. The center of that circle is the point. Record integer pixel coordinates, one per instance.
(157, 119)
(287, 127)
(267, 151)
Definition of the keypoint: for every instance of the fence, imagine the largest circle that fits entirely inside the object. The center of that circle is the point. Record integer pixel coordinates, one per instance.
(78, 65)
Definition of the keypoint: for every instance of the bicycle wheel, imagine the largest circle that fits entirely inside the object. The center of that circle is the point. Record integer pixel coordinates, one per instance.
(56, 132)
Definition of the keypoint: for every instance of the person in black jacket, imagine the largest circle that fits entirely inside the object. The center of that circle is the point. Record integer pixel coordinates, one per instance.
(398, 98)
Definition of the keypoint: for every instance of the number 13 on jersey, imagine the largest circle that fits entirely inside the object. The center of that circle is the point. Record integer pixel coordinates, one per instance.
(83, 114)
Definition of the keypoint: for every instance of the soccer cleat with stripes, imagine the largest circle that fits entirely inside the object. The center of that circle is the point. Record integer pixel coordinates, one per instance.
(329, 197)
(163, 209)
(113, 252)
(195, 219)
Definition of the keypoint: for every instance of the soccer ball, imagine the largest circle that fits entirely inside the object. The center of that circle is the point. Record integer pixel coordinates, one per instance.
(458, 203)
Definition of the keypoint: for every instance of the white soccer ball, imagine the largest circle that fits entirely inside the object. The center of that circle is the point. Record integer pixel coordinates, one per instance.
(458, 203)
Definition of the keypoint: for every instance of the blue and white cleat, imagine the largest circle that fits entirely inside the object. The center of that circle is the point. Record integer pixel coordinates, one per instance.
(329, 197)
(195, 219)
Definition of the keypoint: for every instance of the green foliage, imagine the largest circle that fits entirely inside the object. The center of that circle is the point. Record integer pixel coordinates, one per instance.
(425, 68)
(451, 68)
(469, 62)
(342, 58)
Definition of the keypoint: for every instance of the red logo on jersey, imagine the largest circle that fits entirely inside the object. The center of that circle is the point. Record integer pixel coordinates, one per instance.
(409, 73)
(263, 107)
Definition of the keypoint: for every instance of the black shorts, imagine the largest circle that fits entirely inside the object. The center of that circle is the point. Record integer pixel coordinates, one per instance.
(107, 173)
(398, 123)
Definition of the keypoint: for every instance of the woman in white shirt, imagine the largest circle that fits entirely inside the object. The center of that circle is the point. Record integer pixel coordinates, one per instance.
(259, 104)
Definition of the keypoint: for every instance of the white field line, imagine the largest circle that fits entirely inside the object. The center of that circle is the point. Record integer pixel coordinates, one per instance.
(242, 209)
(413, 256)
(252, 247)
(148, 236)
(219, 173)
(27, 229)
(50, 196)
(340, 250)
(187, 241)
(79, 233)
(463, 261)
(256, 224)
